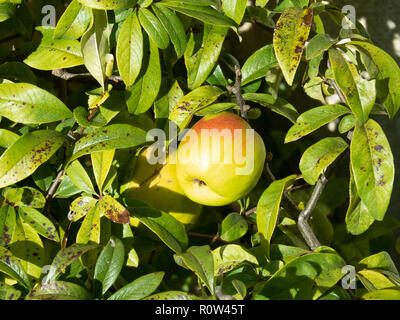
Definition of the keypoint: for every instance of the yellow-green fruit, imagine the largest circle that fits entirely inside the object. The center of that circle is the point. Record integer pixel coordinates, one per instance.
(157, 186)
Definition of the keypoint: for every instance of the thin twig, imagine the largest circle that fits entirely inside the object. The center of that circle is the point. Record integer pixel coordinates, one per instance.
(338, 91)
(54, 185)
(250, 211)
(65, 75)
(206, 236)
(237, 91)
(305, 215)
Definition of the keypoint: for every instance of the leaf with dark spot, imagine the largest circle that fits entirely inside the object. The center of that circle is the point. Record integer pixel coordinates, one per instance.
(65, 257)
(28, 104)
(113, 210)
(31, 150)
(59, 290)
(10, 265)
(291, 33)
(373, 167)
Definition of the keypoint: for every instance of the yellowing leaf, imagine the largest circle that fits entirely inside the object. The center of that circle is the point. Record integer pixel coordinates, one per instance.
(101, 162)
(291, 33)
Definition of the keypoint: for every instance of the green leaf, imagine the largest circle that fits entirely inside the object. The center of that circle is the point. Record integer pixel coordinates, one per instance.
(381, 262)
(7, 10)
(205, 14)
(113, 210)
(101, 162)
(79, 177)
(115, 136)
(234, 9)
(320, 156)
(172, 295)
(7, 224)
(372, 166)
(217, 78)
(170, 93)
(8, 292)
(191, 103)
(268, 206)
(141, 96)
(109, 4)
(55, 54)
(15, 70)
(81, 116)
(388, 71)
(39, 222)
(59, 290)
(173, 25)
(358, 219)
(318, 45)
(90, 228)
(201, 261)
(233, 227)
(277, 105)
(230, 256)
(22, 158)
(73, 22)
(291, 33)
(166, 227)
(311, 275)
(28, 104)
(258, 64)
(200, 64)
(130, 49)
(139, 288)
(284, 4)
(347, 123)
(11, 267)
(95, 45)
(216, 108)
(64, 258)
(109, 264)
(314, 119)
(154, 28)
(384, 294)
(66, 188)
(360, 93)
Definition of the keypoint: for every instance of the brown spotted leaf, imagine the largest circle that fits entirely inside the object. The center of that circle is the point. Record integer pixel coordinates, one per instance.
(39, 222)
(194, 101)
(31, 150)
(65, 257)
(314, 119)
(291, 33)
(373, 167)
(389, 72)
(113, 210)
(80, 207)
(10, 265)
(54, 54)
(90, 228)
(27, 104)
(59, 290)
(7, 224)
(115, 136)
(360, 93)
